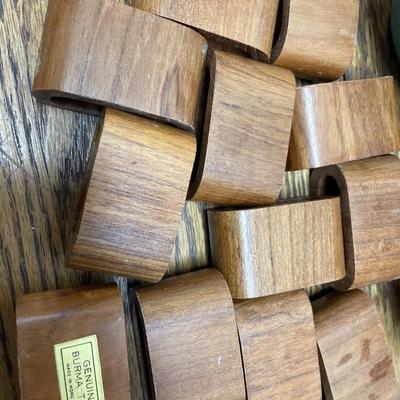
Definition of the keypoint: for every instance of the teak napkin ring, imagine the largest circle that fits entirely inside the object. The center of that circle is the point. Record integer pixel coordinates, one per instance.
(279, 349)
(235, 24)
(317, 38)
(370, 201)
(104, 53)
(365, 122)
(243, 151)
(74, 320)
(355, 359)
(275, 249)
(135, 198)
(196, 311)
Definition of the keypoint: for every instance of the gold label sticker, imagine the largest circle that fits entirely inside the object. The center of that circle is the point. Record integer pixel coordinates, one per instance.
(79, 369)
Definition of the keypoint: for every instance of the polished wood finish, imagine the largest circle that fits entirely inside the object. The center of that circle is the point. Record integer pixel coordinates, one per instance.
(316, 38)
(370, 198)
(41, 174)
(270, 250)
(135, 199)
(243, 151)
(192, 340)
(100, 52)
(49, 318)
(355, 358)
(245, 25)
(279, 348)
(365, 122)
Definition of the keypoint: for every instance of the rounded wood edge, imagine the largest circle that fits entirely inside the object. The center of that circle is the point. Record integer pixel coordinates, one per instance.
(55, 92)
(251, 315)
(223, 221)
(283, 27)
(332, 181)
(83, 256)
(297, 160)
(199, 190)
(178, 290)
(334, 311)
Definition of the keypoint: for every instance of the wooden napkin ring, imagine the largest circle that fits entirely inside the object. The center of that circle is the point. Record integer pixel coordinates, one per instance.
(370, 198)
(101, 52)
(235, 24)
(279, 349)
(355, 359)
(365, 122)
(135, 198)
(243, 151)
(192, 340)
(317, 38)
(285, 247)
(77, 326)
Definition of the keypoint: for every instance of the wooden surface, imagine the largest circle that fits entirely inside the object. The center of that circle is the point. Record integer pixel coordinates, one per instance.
(245, 25)
(191, 336)
(244, 146)
(145, 54)
(55, 317)
(353, 349)
(365, 123)
(316, 38)
(279, 350)
(370, 200)
(135, 199)
(43, 158)
(276, 249)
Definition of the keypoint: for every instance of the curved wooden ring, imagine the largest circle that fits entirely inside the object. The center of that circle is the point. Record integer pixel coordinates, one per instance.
(242, 154)
(317, 38)
(101, 52)
(365, 123)
(370, 198)
(276, 249)
(55, 317)
(245, 25)
(191, 336)
(279, 348)
(127, 227)
(355, 359)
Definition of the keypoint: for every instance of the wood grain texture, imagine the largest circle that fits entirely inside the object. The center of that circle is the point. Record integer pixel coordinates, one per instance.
(148, 65)
(279, 348)
(365, 123)
(243, 151)
(135, 199)
(191, 336)
(41, 173)
(316, 38)
(270, 250)
(49, 318)
(245, 25)
(370, 200)
(354, 353)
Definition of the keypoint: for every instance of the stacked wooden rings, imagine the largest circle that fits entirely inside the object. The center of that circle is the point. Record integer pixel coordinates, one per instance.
(183, 119)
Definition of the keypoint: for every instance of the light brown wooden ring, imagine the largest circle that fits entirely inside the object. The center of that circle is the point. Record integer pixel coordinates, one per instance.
(279, 349)
(192, 340)
(354, 354)
(316, 39)
(243, 150)
(235, 24)
(280, 248)
(343, 121)
(102, 53)
(55, 317)
(135, 198)
(370, 198)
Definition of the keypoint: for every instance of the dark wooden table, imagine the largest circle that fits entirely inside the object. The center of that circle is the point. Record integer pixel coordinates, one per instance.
(43, 157)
